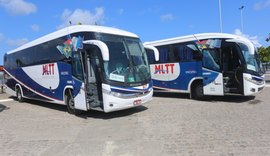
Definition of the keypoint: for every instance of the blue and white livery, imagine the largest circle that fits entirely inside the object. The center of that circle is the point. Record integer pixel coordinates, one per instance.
(205, 64)
(84, 67)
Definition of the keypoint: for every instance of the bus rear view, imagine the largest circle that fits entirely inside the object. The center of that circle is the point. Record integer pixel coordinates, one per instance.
(206, 64)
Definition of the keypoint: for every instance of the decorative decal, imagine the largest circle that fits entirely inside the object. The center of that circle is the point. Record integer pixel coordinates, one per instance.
(71, 44)
(165, 72)
(201, 44)
(208, 43)
(48, 69)
(45, 75)
(164, 68)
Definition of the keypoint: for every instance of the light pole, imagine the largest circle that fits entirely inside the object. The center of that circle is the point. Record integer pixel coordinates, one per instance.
(242, 24)
(220, 16)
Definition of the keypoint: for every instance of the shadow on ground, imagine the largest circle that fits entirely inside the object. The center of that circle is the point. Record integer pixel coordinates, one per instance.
(111, 115)
(171, 95)
(3, 107)
(227, 98)
(88, 114)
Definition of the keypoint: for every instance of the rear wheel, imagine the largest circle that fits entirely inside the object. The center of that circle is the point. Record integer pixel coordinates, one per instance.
(69, 100)
(197, 91)
(19, 94)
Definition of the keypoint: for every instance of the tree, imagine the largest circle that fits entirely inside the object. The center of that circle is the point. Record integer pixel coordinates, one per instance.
(264, 54)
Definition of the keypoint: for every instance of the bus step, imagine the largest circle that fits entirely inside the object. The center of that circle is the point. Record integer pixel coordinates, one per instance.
(231, 90)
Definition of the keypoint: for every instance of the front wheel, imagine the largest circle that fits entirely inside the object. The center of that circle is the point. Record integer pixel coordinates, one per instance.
(19, 95)
(197, 91)
(69, 100)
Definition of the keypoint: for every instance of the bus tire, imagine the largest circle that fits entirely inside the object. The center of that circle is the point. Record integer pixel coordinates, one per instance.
(19, 95)
(197, 91)
(69, 101)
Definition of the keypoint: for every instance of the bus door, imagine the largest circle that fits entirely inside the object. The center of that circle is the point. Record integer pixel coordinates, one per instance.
(233, 65)
(211, 72)
(78, 71)
(93, 74)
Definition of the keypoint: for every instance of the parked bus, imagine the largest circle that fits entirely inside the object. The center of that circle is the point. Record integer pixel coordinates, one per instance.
(84, 67)
(206, 64)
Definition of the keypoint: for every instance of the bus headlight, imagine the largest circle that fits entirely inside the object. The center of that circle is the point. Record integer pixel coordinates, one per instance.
(254, 81)
(127, 95)
(117, 94)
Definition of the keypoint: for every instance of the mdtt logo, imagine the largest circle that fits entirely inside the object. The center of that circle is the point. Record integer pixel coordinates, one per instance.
(48, 69)
(164, 69)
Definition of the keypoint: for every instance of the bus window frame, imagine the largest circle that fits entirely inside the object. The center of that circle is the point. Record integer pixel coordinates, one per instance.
(220, 62)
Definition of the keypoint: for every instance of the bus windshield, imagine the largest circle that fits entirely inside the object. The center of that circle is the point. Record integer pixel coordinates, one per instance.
(128, 62)
(253, 64)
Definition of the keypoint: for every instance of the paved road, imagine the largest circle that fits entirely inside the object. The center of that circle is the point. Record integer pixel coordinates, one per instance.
(267, 77)
(170, 125)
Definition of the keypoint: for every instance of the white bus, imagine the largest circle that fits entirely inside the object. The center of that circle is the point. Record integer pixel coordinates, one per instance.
(206, 64)
(84, 67)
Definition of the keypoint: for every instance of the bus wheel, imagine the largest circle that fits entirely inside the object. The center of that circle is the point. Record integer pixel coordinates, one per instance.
(19, 95)
(69, 100)
(197, 91)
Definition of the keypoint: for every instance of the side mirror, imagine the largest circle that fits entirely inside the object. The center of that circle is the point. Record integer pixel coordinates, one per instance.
(102, 46)
(156, 52)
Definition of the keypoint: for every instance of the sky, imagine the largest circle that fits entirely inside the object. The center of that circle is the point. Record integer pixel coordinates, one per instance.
(26, 20)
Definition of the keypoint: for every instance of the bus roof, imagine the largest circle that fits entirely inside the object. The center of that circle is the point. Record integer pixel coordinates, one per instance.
(74, 29)
(193, 38)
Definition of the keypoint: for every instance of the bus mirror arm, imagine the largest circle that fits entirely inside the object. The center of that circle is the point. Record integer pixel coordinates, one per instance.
(156, 53)
(102, 46)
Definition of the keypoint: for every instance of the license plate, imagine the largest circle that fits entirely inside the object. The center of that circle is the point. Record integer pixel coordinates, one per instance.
(137, 102)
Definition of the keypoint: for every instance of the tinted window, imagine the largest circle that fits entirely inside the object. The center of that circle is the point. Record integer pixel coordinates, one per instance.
(150, 56)
(43, 53)
(211, 59)
(164, 54)
(77, 70)
(185, 52)
(47, 52)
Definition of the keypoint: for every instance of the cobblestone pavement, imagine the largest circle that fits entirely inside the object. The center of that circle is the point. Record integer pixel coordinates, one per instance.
(267, 77)
(170, 125)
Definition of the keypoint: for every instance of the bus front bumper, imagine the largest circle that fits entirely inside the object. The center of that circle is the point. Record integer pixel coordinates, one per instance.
(251, 87)
(113, 103)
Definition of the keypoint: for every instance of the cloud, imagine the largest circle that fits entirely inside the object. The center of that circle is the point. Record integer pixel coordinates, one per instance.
(35, 27)
(18, 7)
(261, 5)
(120, 11)
(253, 39)
(82, 16)
(17, 42)
(166, 17)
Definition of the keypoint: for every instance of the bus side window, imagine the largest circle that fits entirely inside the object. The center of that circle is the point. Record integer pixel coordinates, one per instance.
(185, 52)
(151, 56)
(211, 59)
(164, 54)
(77, 66)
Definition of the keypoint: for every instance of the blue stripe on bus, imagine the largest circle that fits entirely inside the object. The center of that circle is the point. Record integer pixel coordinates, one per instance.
(131, 90)
(257, 78)
(211, 76)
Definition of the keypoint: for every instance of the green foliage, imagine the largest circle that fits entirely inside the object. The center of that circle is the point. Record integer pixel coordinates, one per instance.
(264, 54)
